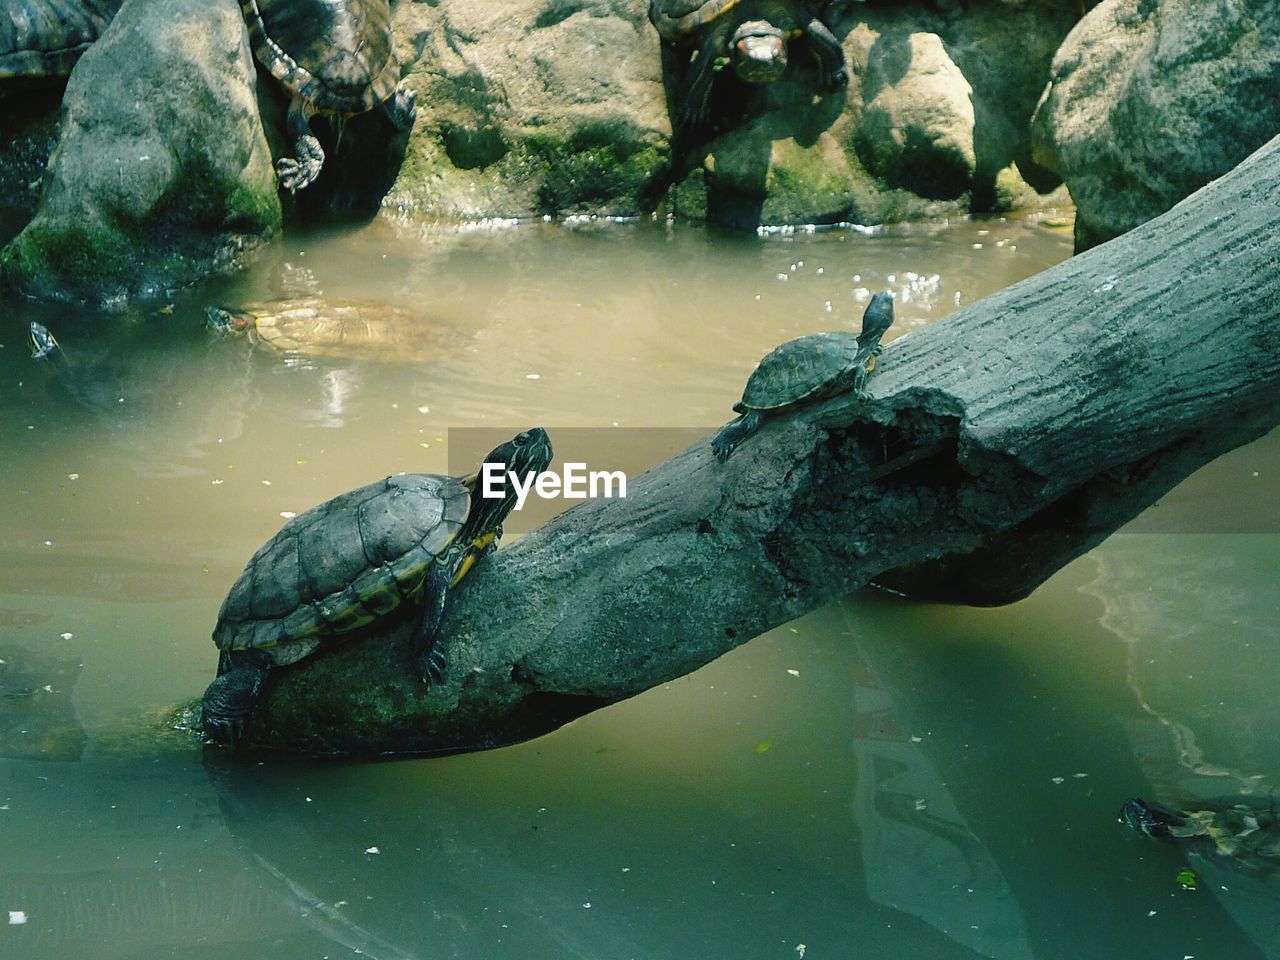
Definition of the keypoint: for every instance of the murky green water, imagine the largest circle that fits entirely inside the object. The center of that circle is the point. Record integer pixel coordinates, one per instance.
(878, 779)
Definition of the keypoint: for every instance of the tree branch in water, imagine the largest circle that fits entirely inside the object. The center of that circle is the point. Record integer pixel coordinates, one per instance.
(998, 444)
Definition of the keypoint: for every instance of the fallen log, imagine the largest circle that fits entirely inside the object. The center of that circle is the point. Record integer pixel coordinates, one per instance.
(997, 445)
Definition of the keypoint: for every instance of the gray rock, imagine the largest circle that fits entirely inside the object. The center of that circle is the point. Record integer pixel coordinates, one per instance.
(917, 126)
(1151, 100)
(162, 172)
(530, 107)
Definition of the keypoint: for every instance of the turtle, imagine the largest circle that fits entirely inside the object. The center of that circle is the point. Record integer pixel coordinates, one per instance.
(753, 34)
(41, 40)
(1246, 834)
(333, 57)
(323, 328)
(807, 369)
(353, 560)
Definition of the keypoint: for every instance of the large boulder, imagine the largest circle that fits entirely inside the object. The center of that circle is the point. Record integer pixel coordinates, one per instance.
(530, 107)
(1152, 99)
(162, 172)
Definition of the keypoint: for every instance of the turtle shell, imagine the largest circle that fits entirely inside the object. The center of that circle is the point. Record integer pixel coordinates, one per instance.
(341, 565)
(44, 38)
(336, 55)
(319, 327)
(799, 369)
(679, 18)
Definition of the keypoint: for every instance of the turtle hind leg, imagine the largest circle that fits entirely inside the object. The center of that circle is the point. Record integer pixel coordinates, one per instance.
(734, 432)
(300, 171)
(230, 699)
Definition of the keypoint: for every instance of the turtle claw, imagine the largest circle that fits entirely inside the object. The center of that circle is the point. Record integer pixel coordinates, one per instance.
(402, 108)
(433, 665)
(298, 174)
(223, 730)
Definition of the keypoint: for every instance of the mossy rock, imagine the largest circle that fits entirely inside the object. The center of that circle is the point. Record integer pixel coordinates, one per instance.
(147, 193)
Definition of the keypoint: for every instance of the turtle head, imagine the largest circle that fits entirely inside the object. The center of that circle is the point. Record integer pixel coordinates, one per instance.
(525, 456)
(876, 320)
(1148, 819)
(227, 321)
(41, 341)
(759, 52)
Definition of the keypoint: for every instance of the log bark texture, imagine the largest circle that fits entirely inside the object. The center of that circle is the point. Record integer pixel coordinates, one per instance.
(998, 444)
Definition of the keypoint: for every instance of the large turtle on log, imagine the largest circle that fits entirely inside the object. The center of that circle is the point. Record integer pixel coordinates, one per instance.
(753, 34)
(353, 560)
(334, 57)
(807, 369)
(42, 39)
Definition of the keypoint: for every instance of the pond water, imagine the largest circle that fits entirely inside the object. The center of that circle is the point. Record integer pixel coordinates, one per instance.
(880, 778)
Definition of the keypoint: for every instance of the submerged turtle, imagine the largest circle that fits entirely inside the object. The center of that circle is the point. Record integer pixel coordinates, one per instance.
(753, 34)
(352, 560)
(1242, 833)
(43, 39)
(327, 328)
(807, 369)
(334, 57)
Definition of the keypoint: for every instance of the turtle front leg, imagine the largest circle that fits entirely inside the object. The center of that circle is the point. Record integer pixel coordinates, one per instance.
(829, 54)
(300, 171)
(402, 108)
(734, 432)
(230, 699)
(697, 92)
(429, 654)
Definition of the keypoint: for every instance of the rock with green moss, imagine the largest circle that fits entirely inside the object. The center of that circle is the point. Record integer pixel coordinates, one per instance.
(162, 172)
(530, 107)
(1150, 101)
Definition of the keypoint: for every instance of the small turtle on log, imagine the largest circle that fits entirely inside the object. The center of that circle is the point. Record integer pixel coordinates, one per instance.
(42, 39)
(1244, 834)
(353, 560)
(753, 34)
(330, 329)
(334, 57)
(805, 370)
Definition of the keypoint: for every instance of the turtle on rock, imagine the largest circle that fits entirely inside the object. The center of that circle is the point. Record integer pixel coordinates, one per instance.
(752, 34)
(333, 57)
(353, 560)
(1247, 835)
(805, 370)
(42, 39)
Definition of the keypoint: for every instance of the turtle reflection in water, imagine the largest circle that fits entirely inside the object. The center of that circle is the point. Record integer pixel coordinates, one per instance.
(330, 329)
(1241, 833)
(352, 561)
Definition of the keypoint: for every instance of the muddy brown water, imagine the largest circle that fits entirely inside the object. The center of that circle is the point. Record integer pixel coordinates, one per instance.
(880, 778)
